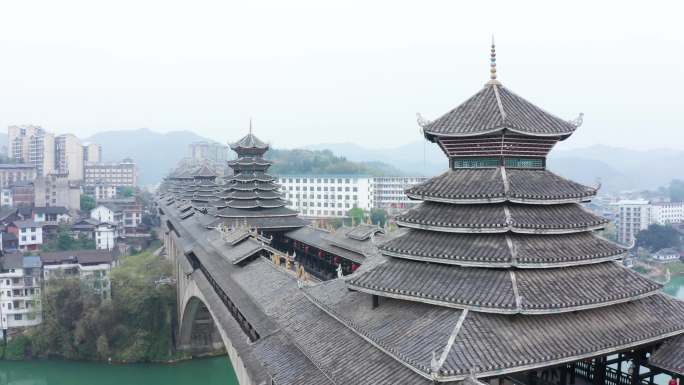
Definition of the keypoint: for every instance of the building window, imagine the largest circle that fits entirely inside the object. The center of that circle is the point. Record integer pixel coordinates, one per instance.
(524, 163)
(17, 317)
(476, 162)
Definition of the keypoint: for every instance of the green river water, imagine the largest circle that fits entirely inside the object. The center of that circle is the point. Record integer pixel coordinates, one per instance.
(210, 371)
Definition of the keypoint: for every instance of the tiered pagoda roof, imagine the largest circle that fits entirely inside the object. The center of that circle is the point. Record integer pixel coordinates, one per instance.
(250, 193)
(499, 269)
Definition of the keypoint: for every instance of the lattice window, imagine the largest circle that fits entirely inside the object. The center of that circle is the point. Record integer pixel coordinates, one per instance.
(476, 162)
(524, 162)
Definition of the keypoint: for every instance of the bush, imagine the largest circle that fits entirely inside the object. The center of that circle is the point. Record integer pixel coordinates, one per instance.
(18, 348)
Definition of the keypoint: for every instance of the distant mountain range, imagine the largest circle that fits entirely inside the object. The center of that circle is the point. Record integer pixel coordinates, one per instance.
(615, 168)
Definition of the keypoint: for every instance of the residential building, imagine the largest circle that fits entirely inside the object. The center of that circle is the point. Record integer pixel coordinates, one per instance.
(69, 155)
(92, 267)
(209, 152)
(103, 192)
(633, 216)
(55, 214)
(333, 195)
(6, 197)
(328, 196)
(122, 174)
(16, 173)
(57, 190)
(20, 290)
(664, 213)
(666, 255)
(106, 235)
(389, 192)
(8, 243)
(23, 194)
(29, 234)
(126, 214)
(18, 140)
(92, 153)
(42, 152)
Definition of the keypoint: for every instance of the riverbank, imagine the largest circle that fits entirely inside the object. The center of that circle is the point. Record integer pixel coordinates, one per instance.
(658, 271)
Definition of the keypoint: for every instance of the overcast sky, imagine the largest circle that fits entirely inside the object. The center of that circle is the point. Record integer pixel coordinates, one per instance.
(345, 71)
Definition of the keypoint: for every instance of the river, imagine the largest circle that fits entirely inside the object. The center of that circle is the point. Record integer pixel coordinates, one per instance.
(210, 371)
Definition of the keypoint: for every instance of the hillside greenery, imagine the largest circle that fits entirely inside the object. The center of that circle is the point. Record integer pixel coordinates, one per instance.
(290, 162)
(135, 325)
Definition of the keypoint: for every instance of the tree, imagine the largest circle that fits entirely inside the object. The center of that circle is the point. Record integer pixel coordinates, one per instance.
(676, 190)
(378, 217)
(87, 202)
(126, 192)
(658, 237)
(357, 215)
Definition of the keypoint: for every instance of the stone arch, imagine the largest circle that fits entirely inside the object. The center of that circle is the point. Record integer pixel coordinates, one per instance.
(199, 332)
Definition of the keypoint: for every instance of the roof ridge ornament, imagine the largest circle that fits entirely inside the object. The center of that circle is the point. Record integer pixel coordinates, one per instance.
(492, 65)
(578, 120)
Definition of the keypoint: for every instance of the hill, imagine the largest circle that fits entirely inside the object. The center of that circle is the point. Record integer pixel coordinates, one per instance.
(323, 162)
(155, 153)
(616, 168)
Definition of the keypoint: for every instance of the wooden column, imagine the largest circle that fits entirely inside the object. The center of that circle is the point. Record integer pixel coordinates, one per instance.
(532, 378)
(637, 366)
(563, 380)
(376, 301)
(572, 373)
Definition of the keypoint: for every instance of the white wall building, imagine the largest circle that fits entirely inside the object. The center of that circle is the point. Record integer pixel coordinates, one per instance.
(633, 216)
(6, 197)
(329, 196)
(20, 292)
(91, 267)
(389, 192)
(105, 236)
(664, 213)
(29, 234)
(69, 156)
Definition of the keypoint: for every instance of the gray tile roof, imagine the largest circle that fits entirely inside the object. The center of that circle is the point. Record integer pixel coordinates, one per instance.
(249, 141)
(495, 344)
(500, 217)
(505, 291)
(495, 108)
(502, 250)
(670, 356)
(497, 184)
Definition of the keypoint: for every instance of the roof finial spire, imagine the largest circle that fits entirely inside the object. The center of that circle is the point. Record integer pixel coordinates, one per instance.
(492, 70)
(250, 125)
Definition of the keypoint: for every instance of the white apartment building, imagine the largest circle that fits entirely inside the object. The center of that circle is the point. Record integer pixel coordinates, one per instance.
(20, 291)
(632, 217)
(16, 173)
(6, 197)
(389, 192)
(105, 236)
(104, 192)
(664, 213)
(93, 268)
(92, 153)
(69, 154)
(29, 234)
(327, 196)
(123, 174)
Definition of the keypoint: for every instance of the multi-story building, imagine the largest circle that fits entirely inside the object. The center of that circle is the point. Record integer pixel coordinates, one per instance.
(6, 198)
(211, 152)
(122, 174)
(388, 192)
(69, 154)
(633, 216)
(28, 232)
(42, 152)
(126, 214)
(92, 153)
(664, 213)
(328, 196)
(103, 192)
(57, 190)
(18, 139)
(20, 290)
(92, 267)
(333, 195)
(16, 172)
(23, 194)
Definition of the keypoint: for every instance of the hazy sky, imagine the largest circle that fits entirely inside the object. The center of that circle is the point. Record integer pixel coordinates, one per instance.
(344, 71)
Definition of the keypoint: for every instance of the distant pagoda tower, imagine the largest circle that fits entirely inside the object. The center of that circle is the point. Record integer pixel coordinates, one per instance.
(204, 187)
(251, 195)
(499, 270)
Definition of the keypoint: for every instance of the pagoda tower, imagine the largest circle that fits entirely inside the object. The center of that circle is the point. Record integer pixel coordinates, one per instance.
(251, 196)
(499, 270)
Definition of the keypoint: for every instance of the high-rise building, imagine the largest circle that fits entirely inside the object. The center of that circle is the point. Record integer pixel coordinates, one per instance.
(57, 190)
(633, 216)
(69, 156)
(92, 153)
(33, 145)
(122, 174)
(211, 152)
